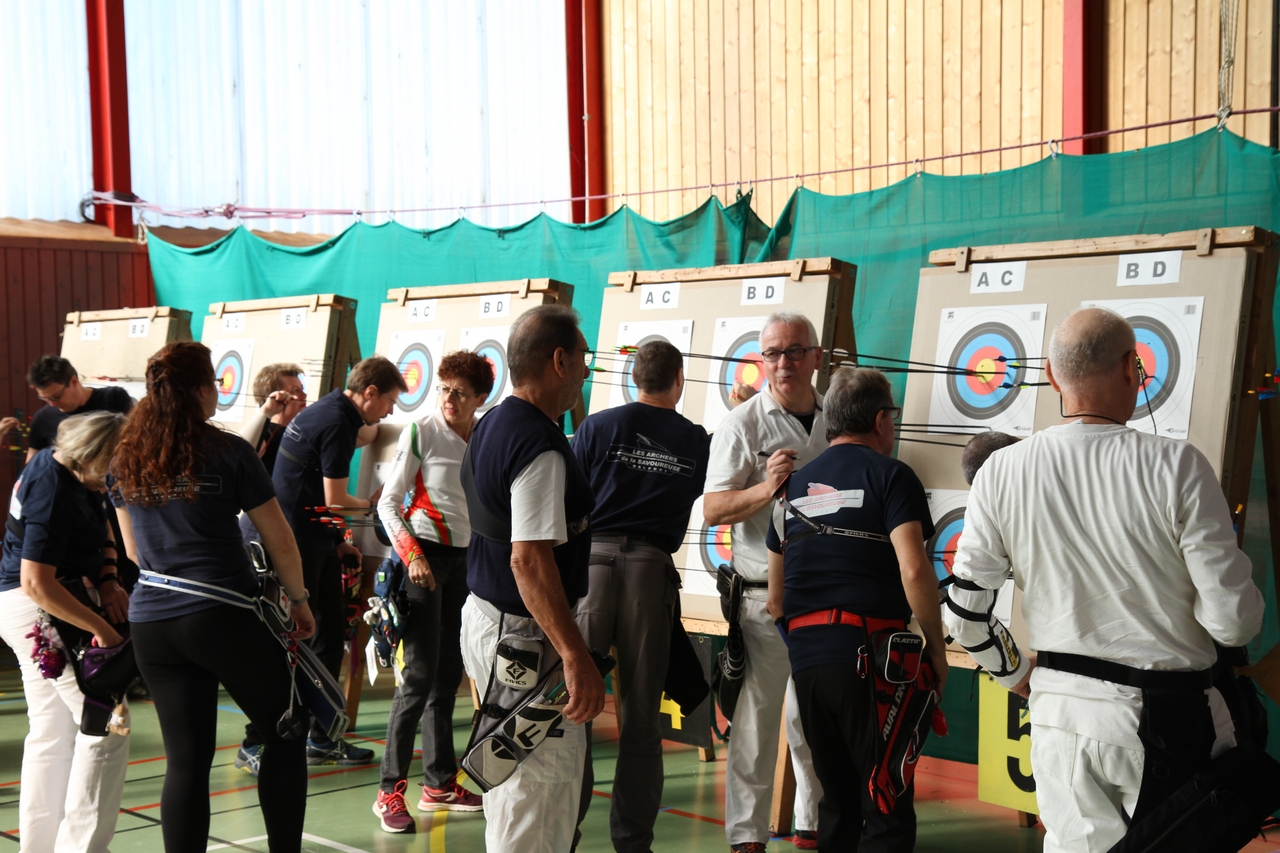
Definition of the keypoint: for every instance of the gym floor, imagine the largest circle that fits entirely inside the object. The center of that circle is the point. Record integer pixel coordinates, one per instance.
(339, 816)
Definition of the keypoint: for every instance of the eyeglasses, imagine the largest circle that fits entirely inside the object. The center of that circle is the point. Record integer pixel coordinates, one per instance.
(895, 412)
(463, 396)
(588, 356)
(793, 354)
(52, 398)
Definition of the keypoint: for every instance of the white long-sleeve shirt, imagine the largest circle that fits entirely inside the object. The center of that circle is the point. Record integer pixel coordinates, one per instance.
(1123, 547)
(422, 497)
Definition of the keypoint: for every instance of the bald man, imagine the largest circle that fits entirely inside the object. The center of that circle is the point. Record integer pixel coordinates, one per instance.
(1123, 547)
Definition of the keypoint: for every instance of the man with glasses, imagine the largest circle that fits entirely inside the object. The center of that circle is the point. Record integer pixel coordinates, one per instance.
(753, 452)
(530, 503)
(1125, 552)
(57, 383)
(868, 563)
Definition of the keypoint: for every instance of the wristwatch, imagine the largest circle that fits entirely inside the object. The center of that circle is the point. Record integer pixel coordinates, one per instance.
(305, 595)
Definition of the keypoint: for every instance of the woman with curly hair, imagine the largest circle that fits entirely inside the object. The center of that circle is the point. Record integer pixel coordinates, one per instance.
(183, 482)
(55, 538)
(425, 513)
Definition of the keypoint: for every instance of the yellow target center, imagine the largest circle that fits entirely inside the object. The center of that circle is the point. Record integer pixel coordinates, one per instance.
(986, 369)
(411, 376)
(750, 373)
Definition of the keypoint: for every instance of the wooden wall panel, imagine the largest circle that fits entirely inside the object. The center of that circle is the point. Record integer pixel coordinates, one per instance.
(41, 281)
(703, 91)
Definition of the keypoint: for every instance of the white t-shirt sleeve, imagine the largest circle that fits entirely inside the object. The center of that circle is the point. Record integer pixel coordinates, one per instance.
(731, 464)
(537, 501)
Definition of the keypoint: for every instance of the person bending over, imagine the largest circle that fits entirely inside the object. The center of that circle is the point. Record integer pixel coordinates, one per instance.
(55, 537)
(827, 585)
(646, 464)
(425, 513)
(182, 482)
(1129, 572)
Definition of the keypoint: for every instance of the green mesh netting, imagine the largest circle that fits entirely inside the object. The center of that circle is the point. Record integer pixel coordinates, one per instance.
(1213, 179)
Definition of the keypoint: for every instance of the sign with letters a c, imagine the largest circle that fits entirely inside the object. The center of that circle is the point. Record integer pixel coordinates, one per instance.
(657, 296)
(998, 278)
(1004, 748)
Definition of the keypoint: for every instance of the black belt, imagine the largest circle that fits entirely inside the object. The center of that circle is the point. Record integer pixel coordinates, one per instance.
(1118, 673)
(626, 539)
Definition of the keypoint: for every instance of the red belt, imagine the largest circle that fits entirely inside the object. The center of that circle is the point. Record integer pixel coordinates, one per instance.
(835, 616)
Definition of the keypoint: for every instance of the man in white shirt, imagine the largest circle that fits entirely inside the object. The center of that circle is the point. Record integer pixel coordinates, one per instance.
(529, 506)
(756, 447)
(1123, 547)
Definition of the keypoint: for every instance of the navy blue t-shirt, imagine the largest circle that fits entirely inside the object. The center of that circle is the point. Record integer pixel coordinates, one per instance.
(318, 444)
(647, 466)
(63, 523)
(198, 540)
(854, 487)
(44, 423)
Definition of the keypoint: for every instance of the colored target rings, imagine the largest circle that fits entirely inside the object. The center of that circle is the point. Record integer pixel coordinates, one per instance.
(982, 392)
(716, 546)
(946, 538)
(1160, 360)
(749, 372)
(629, 390)
(496, 354)
(417, 368)
(229, 373)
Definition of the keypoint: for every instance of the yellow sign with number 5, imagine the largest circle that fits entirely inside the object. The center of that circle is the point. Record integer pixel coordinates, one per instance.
(1004, 749)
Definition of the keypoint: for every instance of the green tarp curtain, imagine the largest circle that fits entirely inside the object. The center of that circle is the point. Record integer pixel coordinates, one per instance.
(1213, 179)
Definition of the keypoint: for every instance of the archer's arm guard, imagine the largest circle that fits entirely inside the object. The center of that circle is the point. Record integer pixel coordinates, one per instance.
(968, 610)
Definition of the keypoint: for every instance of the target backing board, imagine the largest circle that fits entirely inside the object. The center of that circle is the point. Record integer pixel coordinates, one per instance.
(995, 352)
(317, 333)
(614, 368)
(232, 370)
(418, 327)
(112, 347)
(417, 354)
(1168, 340)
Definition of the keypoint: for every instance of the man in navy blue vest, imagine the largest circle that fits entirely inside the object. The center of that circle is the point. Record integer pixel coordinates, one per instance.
(525, 475)
(647, 464)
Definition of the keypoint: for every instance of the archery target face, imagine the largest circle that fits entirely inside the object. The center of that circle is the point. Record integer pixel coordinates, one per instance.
(232, 361)
(678, 333)
(706, 549)
(417, 354)
(1167, 334)
(490, 343)
(992, 351)
(946, 508)
(739, 338)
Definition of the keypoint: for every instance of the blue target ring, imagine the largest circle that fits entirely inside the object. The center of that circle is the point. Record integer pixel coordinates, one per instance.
(418, 370)
(1160, 360)
(496, 354)
(716, 546)
(749, 372)
(941, 548)
(229, 374)
(989, 354)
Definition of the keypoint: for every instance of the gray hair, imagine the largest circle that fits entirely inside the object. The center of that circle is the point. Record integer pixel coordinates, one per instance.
(535, 337)
(854, 398)
(979, 450)
(792, 318)
(1088, 342)
(87, 442)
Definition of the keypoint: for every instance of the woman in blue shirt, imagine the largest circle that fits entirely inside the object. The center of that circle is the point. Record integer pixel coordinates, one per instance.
(183, 482)
(56, 536)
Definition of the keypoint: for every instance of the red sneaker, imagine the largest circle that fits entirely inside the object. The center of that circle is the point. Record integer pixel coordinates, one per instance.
(805, 839)
(392, 811)
(451, 798)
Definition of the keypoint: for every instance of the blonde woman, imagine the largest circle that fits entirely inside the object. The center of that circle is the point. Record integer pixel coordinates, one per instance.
(55, 538)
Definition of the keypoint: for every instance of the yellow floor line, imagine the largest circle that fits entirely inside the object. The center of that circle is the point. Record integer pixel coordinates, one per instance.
(435, 841)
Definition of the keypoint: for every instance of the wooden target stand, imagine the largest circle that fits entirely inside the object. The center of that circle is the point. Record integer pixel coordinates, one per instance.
(417, 327)
(719, 304)
(112, 347)
(1235, 380)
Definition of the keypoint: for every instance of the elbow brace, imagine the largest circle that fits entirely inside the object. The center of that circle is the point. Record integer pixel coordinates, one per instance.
(997, 653)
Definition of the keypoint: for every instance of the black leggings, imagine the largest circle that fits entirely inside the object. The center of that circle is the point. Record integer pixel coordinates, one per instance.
(183, 660)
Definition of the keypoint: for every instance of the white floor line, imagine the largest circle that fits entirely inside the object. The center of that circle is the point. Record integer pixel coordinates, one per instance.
(236, 843)
(332, 844)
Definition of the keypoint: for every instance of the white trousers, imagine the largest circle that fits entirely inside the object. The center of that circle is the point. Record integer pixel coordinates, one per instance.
(753, 745)
(72, 783)
(1084, 788)
(536, 810)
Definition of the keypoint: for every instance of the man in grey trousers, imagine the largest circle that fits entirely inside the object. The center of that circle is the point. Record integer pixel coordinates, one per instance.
(646, 463)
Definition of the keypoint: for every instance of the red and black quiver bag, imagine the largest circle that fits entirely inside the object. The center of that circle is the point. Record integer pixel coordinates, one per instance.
(905, 704)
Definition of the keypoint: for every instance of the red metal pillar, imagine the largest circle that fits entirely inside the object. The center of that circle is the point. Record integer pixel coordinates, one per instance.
(109, 111)
(576, 94)
(594, 117)
(1074, 74)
